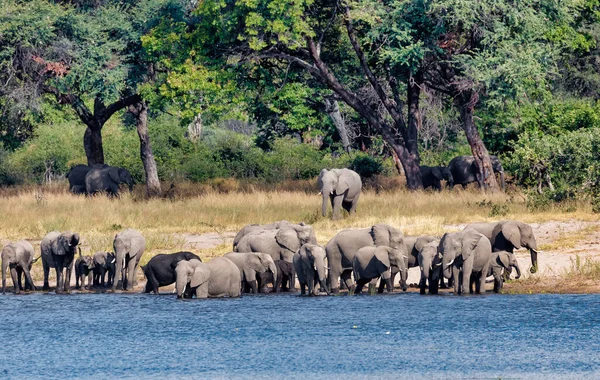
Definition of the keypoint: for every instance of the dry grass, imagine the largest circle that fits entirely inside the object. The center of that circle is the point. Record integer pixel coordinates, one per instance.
(30, 213)
(568, 240)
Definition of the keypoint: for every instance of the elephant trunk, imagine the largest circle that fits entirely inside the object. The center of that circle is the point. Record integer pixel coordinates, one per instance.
(534, 260)
(180, 284)
(325, 193)
(320, 266)
(273, 269)
(517, 268)
(119, 257)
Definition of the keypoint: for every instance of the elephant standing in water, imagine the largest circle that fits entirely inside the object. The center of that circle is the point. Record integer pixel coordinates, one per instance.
(343, 246)
(160, 270)
(219, 277)
(107, 180)
(18, 257)
(465, 254)
(430, 263)
(342, 187)
(129, 247)
(58, 252)
(433, 176)
(104, 263)
(508, 235)
(464, 170)
(310, 267)
(370, 263)
(252, 264)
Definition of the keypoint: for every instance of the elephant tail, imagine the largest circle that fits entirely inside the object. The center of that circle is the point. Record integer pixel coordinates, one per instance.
(36, 259)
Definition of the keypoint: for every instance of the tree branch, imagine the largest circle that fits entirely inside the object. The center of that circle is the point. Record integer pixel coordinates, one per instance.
(290, 58)
(105, 113)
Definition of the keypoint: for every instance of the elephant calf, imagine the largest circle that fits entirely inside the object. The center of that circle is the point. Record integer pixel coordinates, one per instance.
(104, 263)
(370, 263)
(286, 276)
(251, 265)
(84, 267)
(160, 270)
(220, 277)
(500, 261)
(430, 263)
(17, 256)
(309, 264)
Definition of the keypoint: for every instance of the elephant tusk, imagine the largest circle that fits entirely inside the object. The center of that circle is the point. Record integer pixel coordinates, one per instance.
(450, 263)
(331, 192)
(113, 261)
(438, 264)
(404, 256)
(183, 291)
(440, 255)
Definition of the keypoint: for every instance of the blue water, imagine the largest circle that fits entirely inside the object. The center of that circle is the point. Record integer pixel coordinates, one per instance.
(277, 336)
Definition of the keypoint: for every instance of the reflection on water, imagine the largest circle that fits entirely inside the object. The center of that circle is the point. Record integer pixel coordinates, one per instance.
(116, 335)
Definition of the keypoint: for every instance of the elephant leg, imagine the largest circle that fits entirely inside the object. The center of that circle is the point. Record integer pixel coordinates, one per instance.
(359, 285)
(333, 278)
(393, 278)
(373, 285)
(507, 273)
(15, 279)
(28, 279)
(347, 280)
(354, 203)
(67, 280)
(77, 275)
(422, 285)
(464, 186)
(302, 288)
(253, 286)
(443, 283)
(381, 286)
(456, 279)
(202, 291)
(337, 206)
(466, 279)
(433, 285)
(437, 184)
(130, 274)
(46, 268)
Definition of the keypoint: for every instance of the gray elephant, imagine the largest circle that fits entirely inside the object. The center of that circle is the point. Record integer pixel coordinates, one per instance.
(18, 256)
(247, 229)
(430, 263)
(104, 264)
(508, 235)
(343, 246)
(464, 170)
(76, 177)
(413, 245)
(251, 264)
(84, 267)
(502, 261)
(129, 247)
(342, 187)
(310, 267)
(371, 263)
(432, 176)
(107, 180)
(58, 252)
(465, 254)
(219, 277)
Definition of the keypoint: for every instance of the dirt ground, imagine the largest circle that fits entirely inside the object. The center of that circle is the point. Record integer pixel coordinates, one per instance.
(560, 244)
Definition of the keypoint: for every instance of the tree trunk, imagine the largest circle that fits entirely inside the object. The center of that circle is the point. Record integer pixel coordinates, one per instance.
(410, 164)
(412, 160)
(480, 152)
(333, 110)
(140, 111)
(92, 143)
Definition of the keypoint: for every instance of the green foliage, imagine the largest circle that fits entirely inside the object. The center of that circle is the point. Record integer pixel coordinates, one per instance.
(366, 166)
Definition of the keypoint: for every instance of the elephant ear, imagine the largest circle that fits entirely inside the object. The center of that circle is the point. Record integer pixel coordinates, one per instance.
(113, 173)
(469, 242)
(200, 276)
(288, 238)
(254, 262)
(512, 233)
(380, 234)
(504, 259)
(422, 242)
(382, 254)
(320, 178)
(437, 173)
(343, 183)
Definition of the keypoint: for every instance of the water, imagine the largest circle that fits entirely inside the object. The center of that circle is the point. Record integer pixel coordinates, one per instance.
(147, 336)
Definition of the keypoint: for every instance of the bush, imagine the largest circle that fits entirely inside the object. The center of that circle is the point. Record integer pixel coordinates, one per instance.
(366, 166)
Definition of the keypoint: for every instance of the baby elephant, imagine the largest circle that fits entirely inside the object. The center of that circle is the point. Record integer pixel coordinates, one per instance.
(370, 263)
(84, 267)
(430, 263)
(286, 276)
(219, 277)
(104, 263)
(252, 264)
(500, 261)
(310, 267)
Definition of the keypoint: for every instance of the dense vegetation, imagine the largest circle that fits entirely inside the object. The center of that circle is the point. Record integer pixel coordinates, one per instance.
(271, 90)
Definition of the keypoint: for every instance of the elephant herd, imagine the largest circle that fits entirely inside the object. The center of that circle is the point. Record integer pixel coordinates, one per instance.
(98, 178)
(275, 254)
(461, 170)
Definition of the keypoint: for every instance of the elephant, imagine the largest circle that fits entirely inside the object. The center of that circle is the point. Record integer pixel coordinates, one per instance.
(219, 277)
(343, 246)
(252, 264)
(466, 254)
(286, 277)
(107, 180)
(84, 267)
(160, 270)
(464, 170)
(508, 235)
(247, 229)
(342, 187)
(430, 263)
(502, 260)
(413, 245)
(370, 263)
(310, 267)
(432, 176)
(18, 256)
(76, 177)
(129, 247)
(104, 263)
(58, 252)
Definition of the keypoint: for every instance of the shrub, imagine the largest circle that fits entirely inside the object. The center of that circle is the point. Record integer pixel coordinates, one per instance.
(366, 166)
